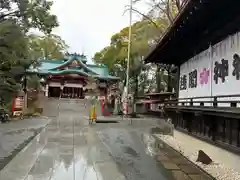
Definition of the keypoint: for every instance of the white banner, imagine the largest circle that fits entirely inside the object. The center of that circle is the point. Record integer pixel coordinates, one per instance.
(91, 86)
(213, 72)
(73, 85)
(54, 84)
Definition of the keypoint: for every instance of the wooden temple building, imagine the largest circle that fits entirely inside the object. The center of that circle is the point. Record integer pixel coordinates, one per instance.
(72, 77)
(204, 43)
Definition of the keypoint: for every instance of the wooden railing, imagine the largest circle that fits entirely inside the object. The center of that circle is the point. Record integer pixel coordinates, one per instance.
(232, 101)
(218, 104)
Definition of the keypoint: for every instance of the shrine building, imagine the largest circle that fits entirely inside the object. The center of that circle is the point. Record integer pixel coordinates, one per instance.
(72, 77)
(204, 44)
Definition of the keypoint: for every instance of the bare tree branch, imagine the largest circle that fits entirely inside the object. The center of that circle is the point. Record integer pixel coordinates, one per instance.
(166, 9)
(145, 16)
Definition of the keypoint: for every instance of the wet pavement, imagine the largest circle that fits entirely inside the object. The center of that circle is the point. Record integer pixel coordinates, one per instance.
(16, 134)
(69, 148)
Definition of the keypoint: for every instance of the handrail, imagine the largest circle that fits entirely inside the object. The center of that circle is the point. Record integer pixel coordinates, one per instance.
(208, 101)
(195, 101)
(203, 97)
(199, 102)
(202, 101)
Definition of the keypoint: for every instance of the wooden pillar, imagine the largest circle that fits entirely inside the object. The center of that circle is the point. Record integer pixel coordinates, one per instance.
(204, 126)
(178, 81)
(46, 90)
(78, 92)
(238, 134)
(182, 121)
(190, 120)
(61, 88)
(224, 130)
(230, 131)
(158, 80)
(213, 127)
(201, 126)
(66, 92)
(169, 88)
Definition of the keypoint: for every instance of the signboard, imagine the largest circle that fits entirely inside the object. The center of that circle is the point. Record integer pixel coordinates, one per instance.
(101, 98)
(215, 71)
(195, 76)
(18, 105)
(102, 85)
(92, 85)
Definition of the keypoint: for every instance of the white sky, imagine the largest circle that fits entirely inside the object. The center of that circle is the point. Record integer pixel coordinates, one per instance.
(88, 25)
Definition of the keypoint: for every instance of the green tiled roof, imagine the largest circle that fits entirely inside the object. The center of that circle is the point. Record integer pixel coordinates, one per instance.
(52, 67)
(99, 69)
(48, 65)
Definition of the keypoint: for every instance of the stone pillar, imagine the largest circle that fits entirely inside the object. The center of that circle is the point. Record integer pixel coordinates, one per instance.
(46, 90)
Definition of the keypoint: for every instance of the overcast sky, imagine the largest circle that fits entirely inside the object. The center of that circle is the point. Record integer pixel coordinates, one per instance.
(87, 25)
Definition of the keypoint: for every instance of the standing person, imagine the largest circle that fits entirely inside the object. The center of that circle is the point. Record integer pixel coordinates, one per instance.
(112, 102)
(103, 106)
(84, 102)
(117, 107)
(115, 111)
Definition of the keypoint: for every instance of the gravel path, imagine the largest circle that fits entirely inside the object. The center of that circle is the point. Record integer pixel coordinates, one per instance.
(189, 148)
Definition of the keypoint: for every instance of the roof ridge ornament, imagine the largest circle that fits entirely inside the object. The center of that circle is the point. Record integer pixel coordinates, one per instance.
(78, 56)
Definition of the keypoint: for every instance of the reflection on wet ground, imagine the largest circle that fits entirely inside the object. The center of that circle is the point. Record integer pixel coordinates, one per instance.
(69, 148)
(12, 141)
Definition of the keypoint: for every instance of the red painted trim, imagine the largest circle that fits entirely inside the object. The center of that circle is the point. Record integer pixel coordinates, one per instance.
(13, 104)
(66, 77)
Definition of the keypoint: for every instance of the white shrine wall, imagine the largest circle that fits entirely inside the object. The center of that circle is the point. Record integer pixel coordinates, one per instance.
(204, 62)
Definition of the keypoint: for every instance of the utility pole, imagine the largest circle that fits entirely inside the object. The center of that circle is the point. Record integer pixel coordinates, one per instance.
(129, 50)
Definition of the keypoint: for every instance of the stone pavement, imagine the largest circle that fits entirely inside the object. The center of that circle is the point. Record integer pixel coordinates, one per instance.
(69, 148)
(16, 134)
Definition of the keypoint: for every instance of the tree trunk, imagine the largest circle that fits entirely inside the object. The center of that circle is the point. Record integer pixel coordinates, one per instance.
(169, 88)
(135, 94)
(158, 78)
